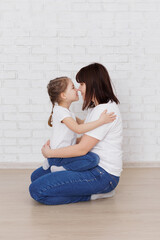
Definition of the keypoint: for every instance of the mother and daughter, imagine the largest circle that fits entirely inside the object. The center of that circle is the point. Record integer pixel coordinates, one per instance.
(88, 167)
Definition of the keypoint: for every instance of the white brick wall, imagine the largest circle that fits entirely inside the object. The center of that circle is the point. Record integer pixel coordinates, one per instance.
(43, 39)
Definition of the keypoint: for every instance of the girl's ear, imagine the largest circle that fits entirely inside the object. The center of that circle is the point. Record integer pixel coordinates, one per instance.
(63, 95)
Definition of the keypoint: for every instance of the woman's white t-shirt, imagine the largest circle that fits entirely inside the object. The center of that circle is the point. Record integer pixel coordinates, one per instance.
(61, 135)
(109, 148)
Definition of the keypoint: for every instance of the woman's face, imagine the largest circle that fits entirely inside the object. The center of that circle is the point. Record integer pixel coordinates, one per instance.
(82, 89)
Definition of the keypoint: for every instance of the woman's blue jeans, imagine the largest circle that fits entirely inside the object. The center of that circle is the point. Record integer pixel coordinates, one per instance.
(70, 186)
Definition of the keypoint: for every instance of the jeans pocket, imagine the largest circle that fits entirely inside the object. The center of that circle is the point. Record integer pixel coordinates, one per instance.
(112, 185)
(115, 179)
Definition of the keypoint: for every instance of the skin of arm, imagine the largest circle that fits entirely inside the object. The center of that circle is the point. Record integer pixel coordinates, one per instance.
(79, 121)
(78, 140)
(80, 149)
(83, 128)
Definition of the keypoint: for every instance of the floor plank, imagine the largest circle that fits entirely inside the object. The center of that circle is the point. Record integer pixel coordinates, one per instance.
(133, 213)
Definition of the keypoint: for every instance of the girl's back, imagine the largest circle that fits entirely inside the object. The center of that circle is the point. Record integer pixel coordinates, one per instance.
(61, 136)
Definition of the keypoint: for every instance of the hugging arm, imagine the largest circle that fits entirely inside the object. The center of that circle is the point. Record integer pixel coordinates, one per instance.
(76, 157)
(86, 127)
(80, 149)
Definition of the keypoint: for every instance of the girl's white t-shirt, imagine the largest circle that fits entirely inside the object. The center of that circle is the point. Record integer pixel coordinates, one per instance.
(61, 135)
(109, 148)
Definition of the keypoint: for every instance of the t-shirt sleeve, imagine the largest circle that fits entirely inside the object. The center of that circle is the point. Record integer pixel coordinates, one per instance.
(62, 114)
(99, 132)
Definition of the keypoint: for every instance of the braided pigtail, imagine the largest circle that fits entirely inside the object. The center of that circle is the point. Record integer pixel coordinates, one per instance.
(50, 118)
(55, 87)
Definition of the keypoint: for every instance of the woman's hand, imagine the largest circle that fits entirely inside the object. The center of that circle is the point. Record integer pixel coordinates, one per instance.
(107, 117)
(48, 142)
(46, 150)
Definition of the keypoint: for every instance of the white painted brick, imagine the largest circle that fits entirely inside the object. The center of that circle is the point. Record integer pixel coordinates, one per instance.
(141, 124)
(31, 108)
(115, 58)
(151, 99)
(136, 108)
(39, 133)
(44, 50)
(131, 116)
(30, 75)
(30, 58)
(7, 108)
(7, 58)
(15, 100)
(31, 125)
(132, 132)
(15, 83)
(9, 157)
(6, 91)
(7, 75)
(17, 117)
(15, 133)
(143, 91)
(151, 116)
(41, 40)
(144, 7)
(8, 125)
(28, 141)
(8, 141)
(115, 7)
(17, 149)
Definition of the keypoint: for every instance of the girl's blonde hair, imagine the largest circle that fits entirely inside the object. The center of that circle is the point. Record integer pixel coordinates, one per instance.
(55, 87)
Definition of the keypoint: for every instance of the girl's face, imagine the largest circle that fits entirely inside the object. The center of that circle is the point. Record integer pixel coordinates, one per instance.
(82, 89)
(71, 92)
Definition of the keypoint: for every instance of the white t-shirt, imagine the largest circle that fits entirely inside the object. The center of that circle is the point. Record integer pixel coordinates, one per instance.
(61, 136)
(109, 148)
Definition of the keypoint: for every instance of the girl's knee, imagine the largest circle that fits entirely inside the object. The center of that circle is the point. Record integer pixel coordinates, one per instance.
(93, 157)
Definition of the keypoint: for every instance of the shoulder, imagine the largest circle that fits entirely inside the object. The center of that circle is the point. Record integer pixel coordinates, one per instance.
(59, 109)
(110, 106)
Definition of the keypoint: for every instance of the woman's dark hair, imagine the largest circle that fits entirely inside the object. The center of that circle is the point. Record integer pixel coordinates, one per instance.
(98, 85)
(55, 87)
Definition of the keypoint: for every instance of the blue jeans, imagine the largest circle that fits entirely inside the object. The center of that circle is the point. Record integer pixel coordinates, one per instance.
(79, 164)
(65, 187)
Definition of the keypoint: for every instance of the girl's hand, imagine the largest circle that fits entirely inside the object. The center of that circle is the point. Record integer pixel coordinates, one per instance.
(107, 117)
(46, 150)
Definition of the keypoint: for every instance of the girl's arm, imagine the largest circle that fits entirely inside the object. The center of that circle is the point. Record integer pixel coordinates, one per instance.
(80, 149)
(82, 128)
(78, 140)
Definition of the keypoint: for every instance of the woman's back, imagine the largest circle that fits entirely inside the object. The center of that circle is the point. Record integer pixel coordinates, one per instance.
(110, 135)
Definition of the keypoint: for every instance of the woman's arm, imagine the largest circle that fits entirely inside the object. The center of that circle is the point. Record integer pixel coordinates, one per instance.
(79, 121)
(80, 149)
(83, 128)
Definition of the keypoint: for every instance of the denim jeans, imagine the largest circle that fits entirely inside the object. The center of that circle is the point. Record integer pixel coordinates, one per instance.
(80, 163)
(63, 187)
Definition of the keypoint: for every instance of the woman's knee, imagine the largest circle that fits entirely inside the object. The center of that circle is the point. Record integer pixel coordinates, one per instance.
(34, 191)
(39, 172)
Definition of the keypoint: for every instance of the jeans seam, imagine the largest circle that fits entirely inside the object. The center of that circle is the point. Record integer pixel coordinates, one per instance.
(57, 185)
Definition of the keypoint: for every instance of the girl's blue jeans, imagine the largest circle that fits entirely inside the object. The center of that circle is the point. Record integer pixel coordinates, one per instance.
(82, 178)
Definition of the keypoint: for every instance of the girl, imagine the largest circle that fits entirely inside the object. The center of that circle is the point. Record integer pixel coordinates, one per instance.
(65, 126)
(106, 141)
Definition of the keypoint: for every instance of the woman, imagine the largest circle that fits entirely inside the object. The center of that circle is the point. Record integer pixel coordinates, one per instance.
(72, 186)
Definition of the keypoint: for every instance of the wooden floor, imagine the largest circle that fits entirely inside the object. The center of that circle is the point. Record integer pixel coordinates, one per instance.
(132, 214)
